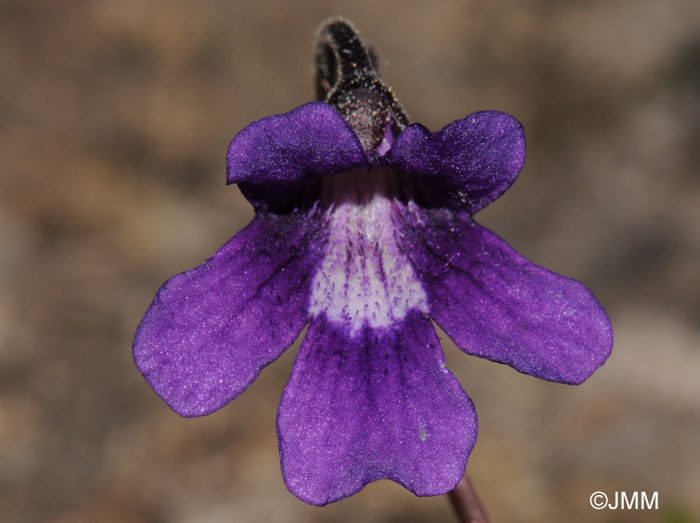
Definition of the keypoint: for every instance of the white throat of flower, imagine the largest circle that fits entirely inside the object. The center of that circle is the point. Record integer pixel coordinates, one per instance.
(364, 278)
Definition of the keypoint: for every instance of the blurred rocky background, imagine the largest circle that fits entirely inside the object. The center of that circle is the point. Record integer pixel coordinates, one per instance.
(114, 122)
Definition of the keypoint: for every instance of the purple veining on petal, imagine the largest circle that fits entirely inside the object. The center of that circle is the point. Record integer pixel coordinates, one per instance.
(364, 278)
(339, 241)
(272, 158)
(378, 405)
(495, 304)
(468, 163)
(211, 330)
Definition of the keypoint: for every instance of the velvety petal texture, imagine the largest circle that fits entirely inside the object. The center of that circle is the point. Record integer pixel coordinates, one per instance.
(271, 159)
(496, 304)
(211, 330)
(380, 404)
(367, 248)
(468, 163)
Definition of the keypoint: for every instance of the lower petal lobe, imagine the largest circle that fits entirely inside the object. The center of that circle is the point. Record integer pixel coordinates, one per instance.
(496, 304)
(211, 330)
(380, 404)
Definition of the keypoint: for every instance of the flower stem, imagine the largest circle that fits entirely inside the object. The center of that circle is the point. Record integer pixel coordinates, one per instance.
(466, 503)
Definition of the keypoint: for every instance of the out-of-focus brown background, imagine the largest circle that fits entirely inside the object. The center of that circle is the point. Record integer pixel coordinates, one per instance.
(114, 122)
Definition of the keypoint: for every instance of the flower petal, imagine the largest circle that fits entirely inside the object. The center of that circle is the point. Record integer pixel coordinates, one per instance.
(378, 405)
(495, 304)
(468, 163)
(211, 330)
(273, 157)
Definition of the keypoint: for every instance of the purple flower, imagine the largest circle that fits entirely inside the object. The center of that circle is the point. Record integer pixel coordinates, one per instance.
(364, 232)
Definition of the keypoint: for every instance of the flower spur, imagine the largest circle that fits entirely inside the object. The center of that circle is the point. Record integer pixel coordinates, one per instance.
(363, 230)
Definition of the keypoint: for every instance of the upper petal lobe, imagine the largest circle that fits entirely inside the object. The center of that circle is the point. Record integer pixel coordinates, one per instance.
(495, 304)
(380, 404)
(211, 330)
(272, 158)
(468, 163)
